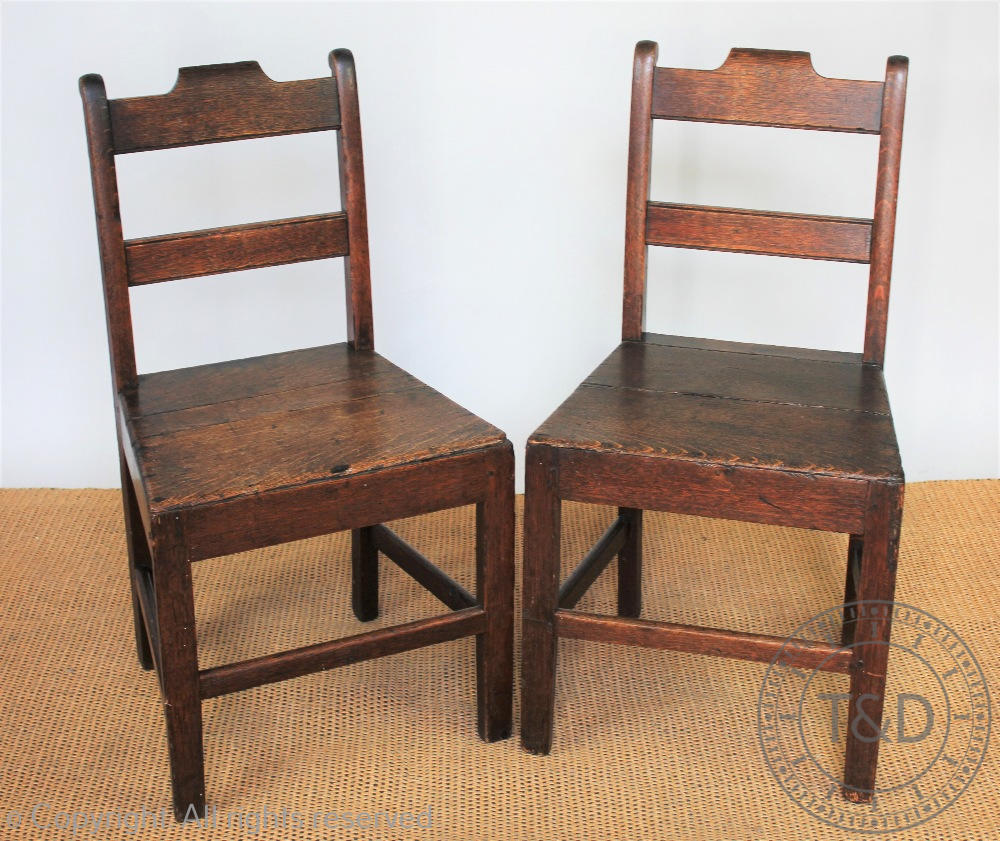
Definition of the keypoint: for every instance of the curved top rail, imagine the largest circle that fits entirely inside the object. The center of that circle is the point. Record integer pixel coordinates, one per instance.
(219, 102)
(771, 88)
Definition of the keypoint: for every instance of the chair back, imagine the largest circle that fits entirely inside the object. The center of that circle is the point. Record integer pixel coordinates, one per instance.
(212, 104)
(764, 88)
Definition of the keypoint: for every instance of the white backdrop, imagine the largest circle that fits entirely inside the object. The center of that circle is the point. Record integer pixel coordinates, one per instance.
(495, 142)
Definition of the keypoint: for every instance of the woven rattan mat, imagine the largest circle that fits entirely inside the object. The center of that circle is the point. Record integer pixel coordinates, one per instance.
(648, 744)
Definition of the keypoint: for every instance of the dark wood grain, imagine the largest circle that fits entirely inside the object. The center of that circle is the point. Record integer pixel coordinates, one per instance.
(640, 145)
(886, 191)
(239, 455)
(729, 432)
(364, 574)
(744, 376)
(851, 579)
(767, 87)
(236, 248)
(775, 435)
(495, 591)
(382, 642)
(670, 636)
(593, 564)
(268, 445)
(630, 564)
(142, 586)
(542, 519)
(139, 558)
(759, 232)
(220, 102)
(274, 405)
(754, 495)
(131, 460)
(178, 663)
(357, 269)
(875, 589)
(439, 584)
(245, 380)
(260, 454)
(114, 271)
(338, 503)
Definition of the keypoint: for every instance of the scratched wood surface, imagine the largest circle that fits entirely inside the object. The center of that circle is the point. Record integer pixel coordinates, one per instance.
(745, 375)
(203, 434)
(732, 408)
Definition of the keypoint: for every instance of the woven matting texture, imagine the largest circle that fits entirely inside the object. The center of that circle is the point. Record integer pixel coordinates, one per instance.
(649, 744)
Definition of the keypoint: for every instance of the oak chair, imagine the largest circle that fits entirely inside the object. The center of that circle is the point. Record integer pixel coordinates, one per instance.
(775, 435)
(222, 458)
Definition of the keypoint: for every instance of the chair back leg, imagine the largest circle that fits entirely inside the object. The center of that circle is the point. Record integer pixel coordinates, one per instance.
(364, 574)
(630, 565)
(854, 548)
(138, 559)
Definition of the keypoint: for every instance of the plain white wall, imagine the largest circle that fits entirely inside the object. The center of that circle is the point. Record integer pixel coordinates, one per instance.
(495, 143)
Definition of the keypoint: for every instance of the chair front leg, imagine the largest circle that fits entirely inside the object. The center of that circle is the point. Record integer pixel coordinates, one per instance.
(495, 592)
(630, 565)
(542, 524)
(364, 574)
(872, 629)
(138, 557)
(179, 666)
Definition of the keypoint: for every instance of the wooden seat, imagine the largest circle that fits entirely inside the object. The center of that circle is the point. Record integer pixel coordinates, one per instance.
(775, 435)
(232, 456)
(735, 404)
(218, 432)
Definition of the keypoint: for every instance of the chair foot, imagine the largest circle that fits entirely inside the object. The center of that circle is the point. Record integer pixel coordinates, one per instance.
(538, 672)
(542, 526)
(630, 565)
(187, 763)
(872, 629)
(191, 812)
(494, 700)
(861, 758)
(364, 581)
(856, 796)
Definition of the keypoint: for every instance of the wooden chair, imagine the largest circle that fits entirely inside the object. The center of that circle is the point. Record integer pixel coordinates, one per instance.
(222, 458)
(749, 432)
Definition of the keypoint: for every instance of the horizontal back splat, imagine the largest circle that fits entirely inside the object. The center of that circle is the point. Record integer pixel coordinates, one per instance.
(767, 87)
(221, 102)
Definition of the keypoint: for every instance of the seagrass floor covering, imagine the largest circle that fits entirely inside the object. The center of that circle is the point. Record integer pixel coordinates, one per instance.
(649, 744)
